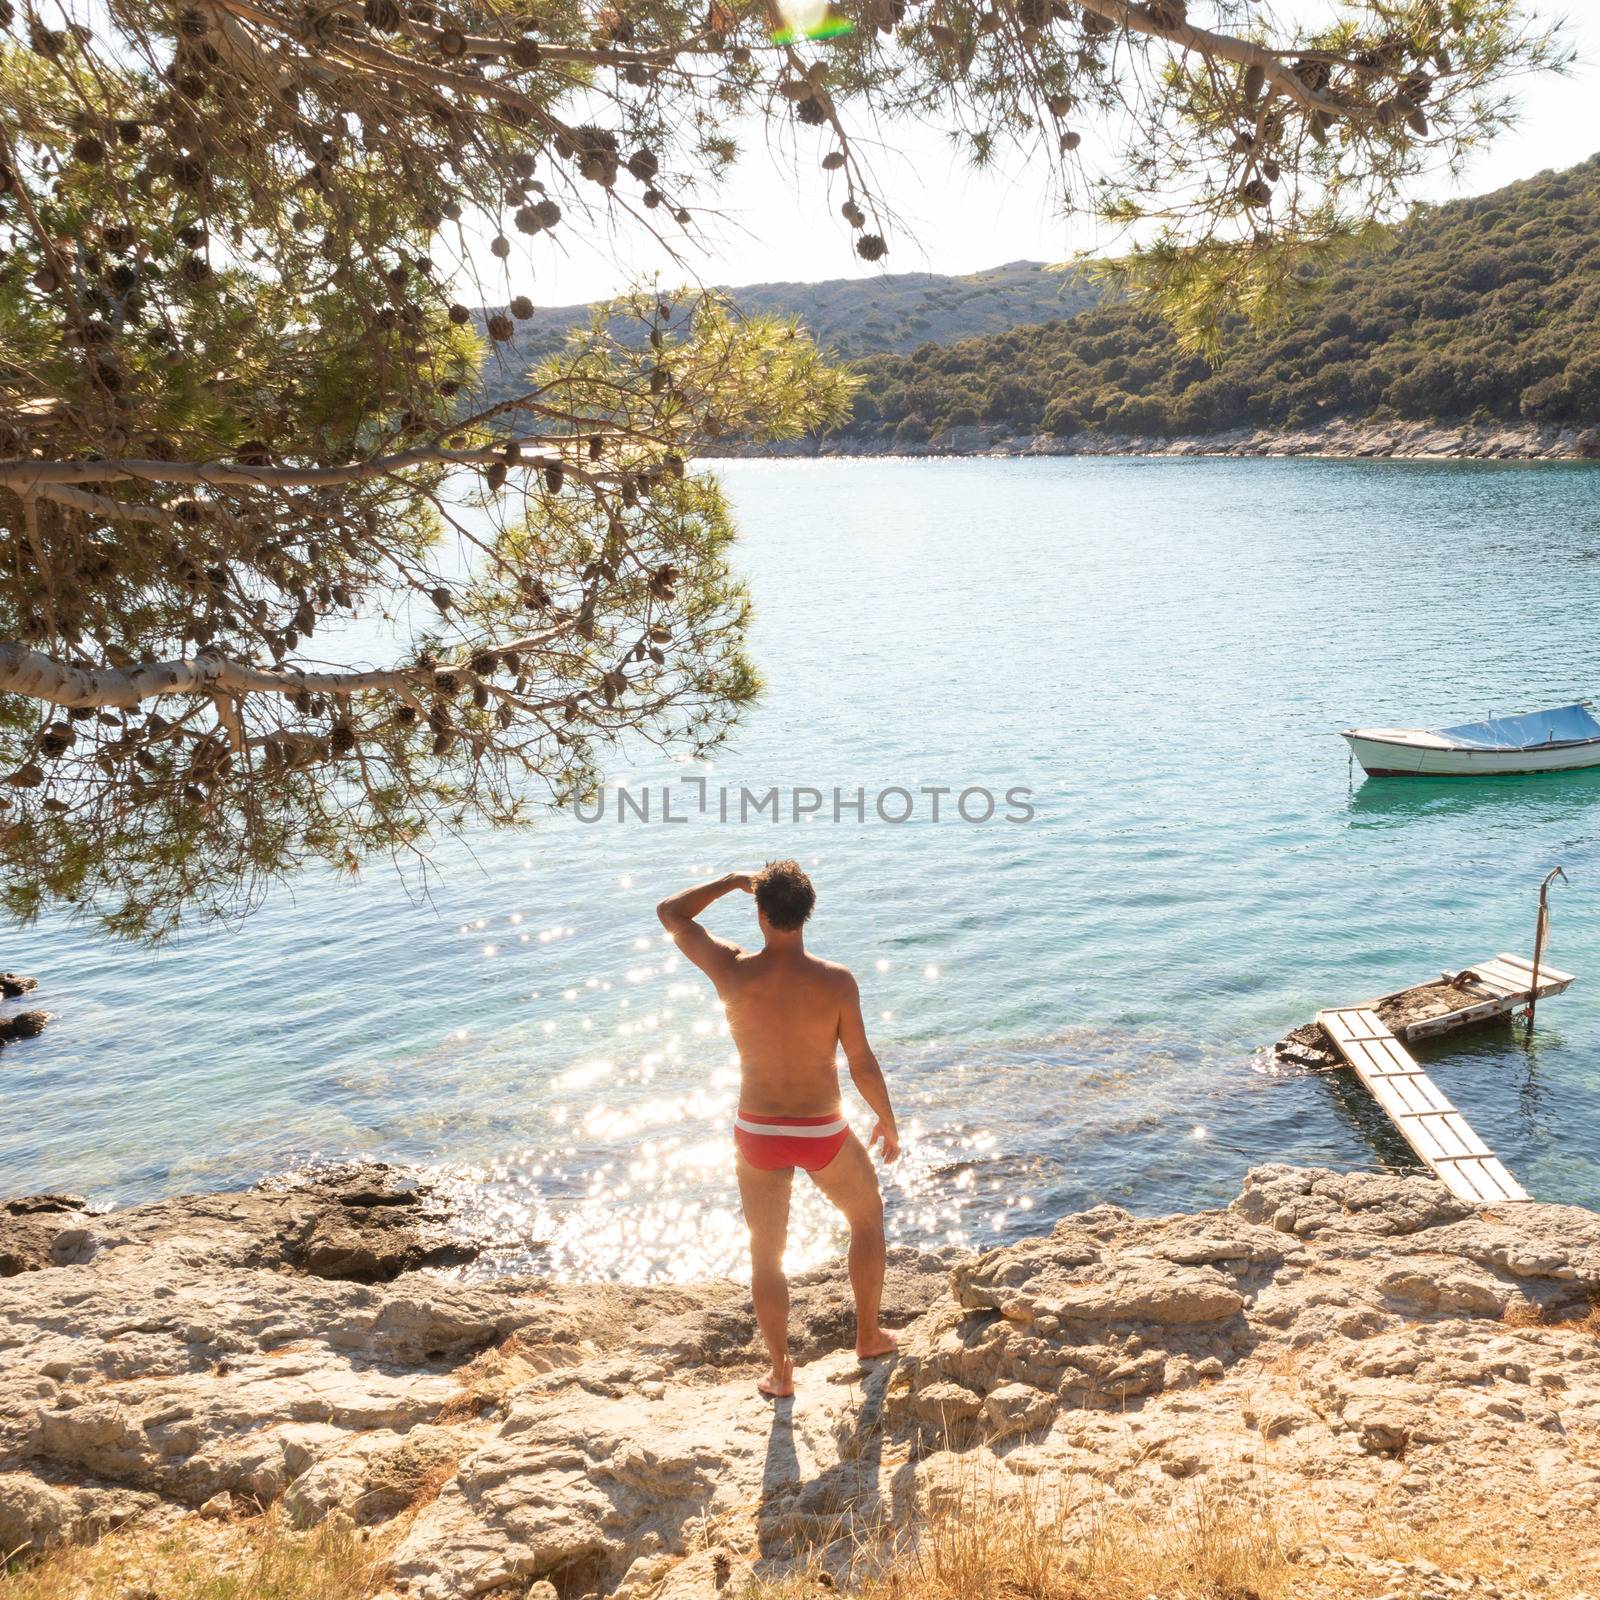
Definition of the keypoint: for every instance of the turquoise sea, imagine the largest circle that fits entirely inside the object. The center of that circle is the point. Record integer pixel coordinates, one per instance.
(1072, 1008)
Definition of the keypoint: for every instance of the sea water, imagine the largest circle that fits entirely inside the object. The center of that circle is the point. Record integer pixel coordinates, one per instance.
(1072, 999)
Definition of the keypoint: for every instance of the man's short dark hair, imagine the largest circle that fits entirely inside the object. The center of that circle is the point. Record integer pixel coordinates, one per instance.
(785, 895)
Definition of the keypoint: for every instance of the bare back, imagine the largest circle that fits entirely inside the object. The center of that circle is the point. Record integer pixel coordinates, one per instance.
(784, 1012)
(789, 1012)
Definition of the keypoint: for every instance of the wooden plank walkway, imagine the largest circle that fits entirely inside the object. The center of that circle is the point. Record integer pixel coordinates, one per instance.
(1433, 1127)
(1512, 977)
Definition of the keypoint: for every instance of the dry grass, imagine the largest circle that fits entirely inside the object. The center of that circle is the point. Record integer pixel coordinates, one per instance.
(1501, 1542)
(1207, 1544)
(430, 1485)
(1207, 1549)
(1047, 1547)
(1570, 1318)
(258, 1558)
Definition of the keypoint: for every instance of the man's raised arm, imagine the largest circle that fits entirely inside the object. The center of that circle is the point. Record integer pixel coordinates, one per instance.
(677, 912)
(865, 1073)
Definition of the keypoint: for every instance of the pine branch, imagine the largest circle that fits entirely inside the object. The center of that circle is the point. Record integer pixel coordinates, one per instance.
(30, 672)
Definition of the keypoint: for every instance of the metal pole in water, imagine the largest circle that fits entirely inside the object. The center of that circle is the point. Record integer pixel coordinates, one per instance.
(1540, 932)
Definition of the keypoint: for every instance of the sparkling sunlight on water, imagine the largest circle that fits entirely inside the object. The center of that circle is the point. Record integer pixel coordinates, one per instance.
(1070, 1009)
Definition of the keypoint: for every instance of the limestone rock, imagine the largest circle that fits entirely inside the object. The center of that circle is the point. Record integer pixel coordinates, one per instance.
(1331, 1341)
(945, 1405)
(374, 1475)
(25, 1244)
(36, 1514)
(1016, 1408)
(1338, 437)
(703, 1576)
(23, 1025)
(38, 1205)
(1418, 1288)
(40, 1230)
(368, 1245)
(1316, 1201)
(364, 1224)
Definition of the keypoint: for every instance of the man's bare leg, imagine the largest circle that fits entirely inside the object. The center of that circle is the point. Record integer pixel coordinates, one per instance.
(851, 1184)
(766, 1214)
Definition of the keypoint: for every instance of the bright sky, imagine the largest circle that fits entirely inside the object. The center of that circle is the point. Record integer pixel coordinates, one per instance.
(779, 223)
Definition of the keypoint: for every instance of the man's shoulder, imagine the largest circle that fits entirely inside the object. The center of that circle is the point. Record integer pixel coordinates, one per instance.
(834, 972)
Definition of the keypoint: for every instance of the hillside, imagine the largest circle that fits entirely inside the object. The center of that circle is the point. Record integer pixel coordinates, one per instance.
(1485, 309)
(860, 316)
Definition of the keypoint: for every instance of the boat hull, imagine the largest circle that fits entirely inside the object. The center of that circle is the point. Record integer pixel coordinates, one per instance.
(1395, 756)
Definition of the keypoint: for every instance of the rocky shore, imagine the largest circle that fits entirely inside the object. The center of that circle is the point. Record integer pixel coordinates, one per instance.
(19, 1024)
(1340, 438)
(1338, 1356)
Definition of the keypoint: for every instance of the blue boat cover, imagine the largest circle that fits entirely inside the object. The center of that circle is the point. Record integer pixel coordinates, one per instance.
(1560, 725)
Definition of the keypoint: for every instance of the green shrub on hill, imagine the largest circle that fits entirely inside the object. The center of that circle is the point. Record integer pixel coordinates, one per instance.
(1485, 309)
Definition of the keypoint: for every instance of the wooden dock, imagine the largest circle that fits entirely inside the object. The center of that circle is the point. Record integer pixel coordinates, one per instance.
(1439, 1134)
(1505, 983)
(1475, 995)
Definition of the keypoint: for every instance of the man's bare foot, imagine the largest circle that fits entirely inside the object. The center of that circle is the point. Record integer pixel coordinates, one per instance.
(779, 1382)
(879, 1342)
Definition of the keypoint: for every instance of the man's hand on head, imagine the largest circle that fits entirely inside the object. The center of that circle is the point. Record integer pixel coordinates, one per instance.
(744, 880)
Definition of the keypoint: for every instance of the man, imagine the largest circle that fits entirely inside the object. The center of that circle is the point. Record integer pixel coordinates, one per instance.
(789, 1012)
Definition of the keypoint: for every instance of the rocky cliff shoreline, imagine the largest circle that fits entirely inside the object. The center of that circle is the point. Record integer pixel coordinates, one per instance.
(1339, 438)
(1342, 1355)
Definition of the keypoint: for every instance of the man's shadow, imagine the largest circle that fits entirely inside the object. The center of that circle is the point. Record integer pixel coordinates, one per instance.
(797, 1513)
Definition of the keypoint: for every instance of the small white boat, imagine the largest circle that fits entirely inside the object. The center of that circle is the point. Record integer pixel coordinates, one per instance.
(1563, 739)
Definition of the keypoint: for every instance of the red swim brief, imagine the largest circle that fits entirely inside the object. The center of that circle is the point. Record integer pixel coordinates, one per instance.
(773, 1143)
